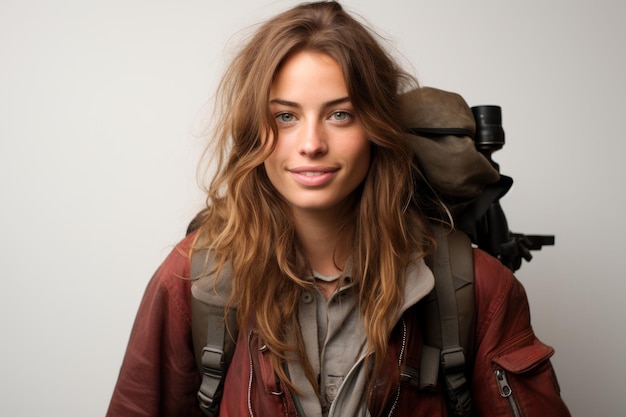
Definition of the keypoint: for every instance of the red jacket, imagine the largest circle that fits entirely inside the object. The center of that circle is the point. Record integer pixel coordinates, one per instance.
(159, 376)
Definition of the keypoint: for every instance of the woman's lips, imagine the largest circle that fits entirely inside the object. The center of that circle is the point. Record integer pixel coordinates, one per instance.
(313, 176)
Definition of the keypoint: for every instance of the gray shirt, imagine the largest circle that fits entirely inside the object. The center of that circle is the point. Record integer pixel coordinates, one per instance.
(334, 336)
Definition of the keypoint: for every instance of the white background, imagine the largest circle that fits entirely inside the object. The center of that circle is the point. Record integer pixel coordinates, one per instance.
(102, 105)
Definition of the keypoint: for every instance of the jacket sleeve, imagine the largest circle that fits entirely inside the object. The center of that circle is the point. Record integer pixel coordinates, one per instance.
(512, 375)
(158, 376)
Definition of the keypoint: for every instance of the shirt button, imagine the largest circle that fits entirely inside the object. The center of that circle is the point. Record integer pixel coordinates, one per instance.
(306, 297)
(331, 392)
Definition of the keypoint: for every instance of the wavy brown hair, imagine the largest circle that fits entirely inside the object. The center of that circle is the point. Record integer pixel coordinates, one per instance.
(246, 223)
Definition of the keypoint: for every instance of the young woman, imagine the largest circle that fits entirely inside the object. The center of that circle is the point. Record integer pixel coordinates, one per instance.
(315, 220)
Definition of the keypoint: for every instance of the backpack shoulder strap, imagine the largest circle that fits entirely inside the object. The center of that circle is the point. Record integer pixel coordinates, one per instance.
(449, 324)
(214, 330)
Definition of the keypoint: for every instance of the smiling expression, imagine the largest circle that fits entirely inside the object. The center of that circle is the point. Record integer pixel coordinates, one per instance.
(322, 153)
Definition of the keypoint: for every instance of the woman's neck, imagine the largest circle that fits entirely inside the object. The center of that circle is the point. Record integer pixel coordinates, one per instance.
(325, 239)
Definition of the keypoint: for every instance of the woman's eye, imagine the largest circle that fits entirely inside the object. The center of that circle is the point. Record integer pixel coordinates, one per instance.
(340, 116)
(285, 117)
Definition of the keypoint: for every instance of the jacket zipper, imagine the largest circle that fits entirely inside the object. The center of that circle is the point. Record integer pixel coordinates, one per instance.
(251, 374)
(280, 393)
(507, 392)
(400, 358)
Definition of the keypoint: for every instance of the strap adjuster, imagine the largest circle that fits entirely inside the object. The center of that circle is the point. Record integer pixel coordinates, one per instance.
(453, 359)
(213, 361)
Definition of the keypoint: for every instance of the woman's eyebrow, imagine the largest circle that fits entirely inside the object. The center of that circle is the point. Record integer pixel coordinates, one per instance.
(293, 104)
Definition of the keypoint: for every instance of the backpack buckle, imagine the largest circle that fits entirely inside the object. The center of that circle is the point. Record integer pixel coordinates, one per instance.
(213, 361)
(453, 359)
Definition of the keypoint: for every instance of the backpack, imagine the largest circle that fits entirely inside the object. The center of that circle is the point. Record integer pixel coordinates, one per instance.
(441, 130)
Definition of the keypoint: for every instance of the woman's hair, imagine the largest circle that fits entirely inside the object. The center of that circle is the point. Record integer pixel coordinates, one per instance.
(246, 223)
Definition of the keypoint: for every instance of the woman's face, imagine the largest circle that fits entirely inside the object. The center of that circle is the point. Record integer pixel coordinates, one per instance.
(322, 153)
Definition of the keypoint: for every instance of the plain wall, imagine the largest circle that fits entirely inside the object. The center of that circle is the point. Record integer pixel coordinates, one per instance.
(102, 105)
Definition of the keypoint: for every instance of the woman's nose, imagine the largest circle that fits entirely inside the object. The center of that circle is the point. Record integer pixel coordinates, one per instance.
(313, 140)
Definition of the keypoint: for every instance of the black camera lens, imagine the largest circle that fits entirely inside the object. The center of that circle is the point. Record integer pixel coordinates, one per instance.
(489, 133)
